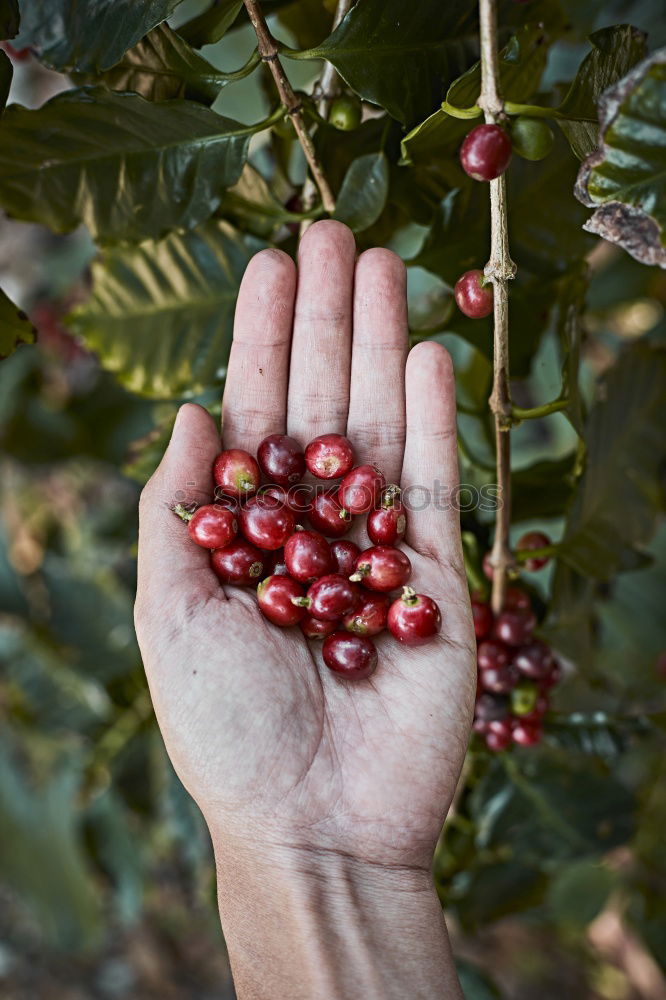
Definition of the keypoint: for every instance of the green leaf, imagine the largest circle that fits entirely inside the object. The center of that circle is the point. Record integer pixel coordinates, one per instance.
(614, 51)
(15, 327)
(579, 892)
(625, 180)
(542, 489)
(212, 24)
(597, 733)
(521, 65)
(87, 34)
(162, 67)
(252, 205)
(615, 507)
(9, 18)
(161, 314)
(41, 854)
(401, 55)
(308, 20)
(363, 193)
(554, 805)
(570, 306)
(6, 74)
(125, 167)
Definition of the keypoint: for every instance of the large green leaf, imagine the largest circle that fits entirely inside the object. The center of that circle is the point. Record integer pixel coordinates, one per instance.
(125, 167)
(211, 24)
(161, 67)
(87, 34)
(615, 506)
(401, 56)
(160, 314)
(625, 180)
(542, 489)
(363, 193)
(15, 327)
(614, 51)
(9, 18)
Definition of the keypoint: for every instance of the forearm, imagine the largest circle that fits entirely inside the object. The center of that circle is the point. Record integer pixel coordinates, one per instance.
(314, 925)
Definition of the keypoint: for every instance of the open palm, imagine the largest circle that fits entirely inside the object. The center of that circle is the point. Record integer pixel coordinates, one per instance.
(270, 744)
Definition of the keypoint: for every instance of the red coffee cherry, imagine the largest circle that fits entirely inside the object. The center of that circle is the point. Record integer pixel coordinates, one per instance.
(277, 597)
(308, 556)
(370, 616)
(526, 734)
(474, 295)
(498, 735)
(414, 618)
(317, 628)
(361, 489)
(514, 627)
(212, 527)
(492, 655)
(236, 473)
(329, 456)
(485, 152)
(330, 597)
(344, 554)
(281, 459)
(266, 522)
(274, 564)
(352, 656)
(534, 540)
(239, 563)
(483, 618)
(388, 523)
(297, 498)
(326, 515)
(499, 680)
(382, 568)
(490, 707)
(534, 660)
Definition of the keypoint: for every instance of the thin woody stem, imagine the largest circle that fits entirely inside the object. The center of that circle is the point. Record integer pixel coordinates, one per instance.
(500, 269)
(325, 90)
(268, 51)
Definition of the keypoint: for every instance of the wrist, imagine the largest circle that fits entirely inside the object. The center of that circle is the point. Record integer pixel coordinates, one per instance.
(313, 922)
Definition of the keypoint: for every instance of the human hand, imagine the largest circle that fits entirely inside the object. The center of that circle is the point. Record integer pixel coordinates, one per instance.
(281, 755)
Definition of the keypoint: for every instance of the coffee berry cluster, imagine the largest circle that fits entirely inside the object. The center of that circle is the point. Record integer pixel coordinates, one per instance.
(515, 670)
(312, 576)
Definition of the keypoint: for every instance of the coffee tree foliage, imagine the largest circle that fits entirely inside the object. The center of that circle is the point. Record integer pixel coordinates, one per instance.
(176, 195)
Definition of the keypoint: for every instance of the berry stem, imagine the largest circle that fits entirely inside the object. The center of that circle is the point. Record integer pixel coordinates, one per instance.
(268, 51)
(183, 513)
(546, 551)
(534, 412)
(500, 269)
(409, 596)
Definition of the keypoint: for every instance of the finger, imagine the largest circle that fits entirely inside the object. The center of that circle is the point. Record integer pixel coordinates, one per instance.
(169, 562)
(430, 469)
(376, 421)
(321, 346)
(255, 395)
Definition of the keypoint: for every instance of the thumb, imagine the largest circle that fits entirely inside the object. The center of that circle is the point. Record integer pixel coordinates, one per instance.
(168, 561)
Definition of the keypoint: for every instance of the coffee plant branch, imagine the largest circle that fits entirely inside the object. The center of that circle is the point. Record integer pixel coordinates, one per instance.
(500, 269)
(324, 92)
(268, 51)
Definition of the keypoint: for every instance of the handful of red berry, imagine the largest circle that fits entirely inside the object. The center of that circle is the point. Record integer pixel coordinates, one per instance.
(515, 673)
(312, 577)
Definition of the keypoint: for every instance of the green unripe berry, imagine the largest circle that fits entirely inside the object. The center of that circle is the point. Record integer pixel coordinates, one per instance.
(345, 113)
(524, 698)
(532, 138)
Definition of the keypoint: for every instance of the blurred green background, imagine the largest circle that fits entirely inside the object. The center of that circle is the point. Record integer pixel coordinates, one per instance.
(106, 875)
